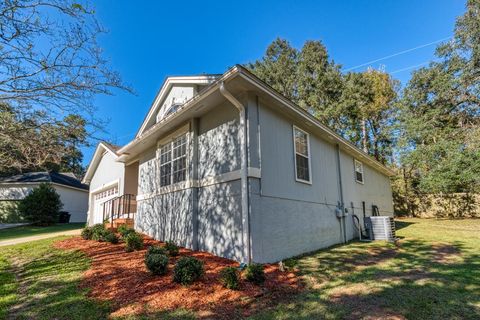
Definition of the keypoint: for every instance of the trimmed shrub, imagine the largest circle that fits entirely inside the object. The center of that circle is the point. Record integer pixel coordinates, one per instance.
(87, 233)
(41, 206)
(124, 230)
(156, 263)
(172, 248)
(229, 278)
(110, 236)
(156, 250)
(133, 241)
(187, 270)
(255, 273)
(98, 232)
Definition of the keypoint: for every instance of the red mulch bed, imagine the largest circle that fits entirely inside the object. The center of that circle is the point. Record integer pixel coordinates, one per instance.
(122, 279)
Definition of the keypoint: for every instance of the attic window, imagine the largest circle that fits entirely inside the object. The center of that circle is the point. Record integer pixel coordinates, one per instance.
(358, 171)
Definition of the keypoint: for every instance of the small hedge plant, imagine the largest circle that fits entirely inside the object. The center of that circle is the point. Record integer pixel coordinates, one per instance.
(229, 278)
(87, 233)
(41, 206)
(124, 230)
(98, 231)
(156, 263)
(156, 250)
(110, 236)
(172, 248)
(254, 273)
(187, 270)
(133, 241)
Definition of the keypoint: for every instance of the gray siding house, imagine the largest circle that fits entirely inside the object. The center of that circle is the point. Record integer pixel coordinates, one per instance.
(227, 165)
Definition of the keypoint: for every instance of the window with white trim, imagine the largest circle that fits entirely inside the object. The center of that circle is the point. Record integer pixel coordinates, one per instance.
(358, 171)
(173, 161)
(301, 141)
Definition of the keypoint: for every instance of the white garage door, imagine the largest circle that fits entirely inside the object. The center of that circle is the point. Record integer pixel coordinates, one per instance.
(99, 199)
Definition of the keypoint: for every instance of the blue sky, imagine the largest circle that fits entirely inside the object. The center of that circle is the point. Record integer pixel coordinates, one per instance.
(150, 40)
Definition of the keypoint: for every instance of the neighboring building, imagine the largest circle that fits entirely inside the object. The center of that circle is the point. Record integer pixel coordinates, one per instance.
(73, 193)
(225, 164)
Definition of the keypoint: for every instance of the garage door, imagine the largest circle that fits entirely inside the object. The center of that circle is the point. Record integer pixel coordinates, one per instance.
(99, 199)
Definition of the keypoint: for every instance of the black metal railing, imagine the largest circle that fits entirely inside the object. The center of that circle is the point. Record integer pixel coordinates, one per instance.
(121, 207)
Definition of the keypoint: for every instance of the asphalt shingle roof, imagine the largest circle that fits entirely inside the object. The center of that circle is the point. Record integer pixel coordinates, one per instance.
(54, 177)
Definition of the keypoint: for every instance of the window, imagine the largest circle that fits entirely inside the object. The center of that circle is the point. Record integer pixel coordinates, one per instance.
(302, 155)
(173, 161)
(358, 171)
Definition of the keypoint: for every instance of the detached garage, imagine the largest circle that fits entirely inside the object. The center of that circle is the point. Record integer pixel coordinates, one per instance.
(73, 193)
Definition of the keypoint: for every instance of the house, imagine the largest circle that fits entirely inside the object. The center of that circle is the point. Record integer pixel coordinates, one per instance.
(73, 193)
(225, 164)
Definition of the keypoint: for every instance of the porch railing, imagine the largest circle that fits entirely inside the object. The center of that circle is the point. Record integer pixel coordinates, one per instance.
(121, 207)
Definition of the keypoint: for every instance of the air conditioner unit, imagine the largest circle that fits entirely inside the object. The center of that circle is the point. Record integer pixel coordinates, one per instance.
(381, 228)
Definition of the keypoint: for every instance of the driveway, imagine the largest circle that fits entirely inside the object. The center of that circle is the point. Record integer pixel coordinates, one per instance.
(40, 237)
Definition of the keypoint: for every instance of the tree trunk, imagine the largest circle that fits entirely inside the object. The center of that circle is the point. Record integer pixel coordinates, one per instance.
(364, 135)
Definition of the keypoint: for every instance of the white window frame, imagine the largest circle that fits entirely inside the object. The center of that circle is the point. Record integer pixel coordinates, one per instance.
(355, 162)
(169, 141)
(294, 128)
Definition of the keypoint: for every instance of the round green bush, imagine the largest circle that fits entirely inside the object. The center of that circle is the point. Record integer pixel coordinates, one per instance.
(255, 273)
(156, 263)
(124, 230)
(156, 250)
(187, 270)
(172, 248)
(133, 241)
(41, 206)
(229, 278)
(98, 231)
(111, 237)
(87, 233)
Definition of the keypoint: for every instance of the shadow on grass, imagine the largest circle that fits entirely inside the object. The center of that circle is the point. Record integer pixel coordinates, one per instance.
(400, 224)
(416, 280)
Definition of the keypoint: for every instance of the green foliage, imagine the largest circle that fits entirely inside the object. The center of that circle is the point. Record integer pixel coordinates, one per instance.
(229, 277)
(110, 236)
(87, 233)
(187, 270)
(156, 263)
(98, 231)
(172, 248)
(440, 118)
(156, 250)
(133, 241)
(254, 273)
(42, 206)
(9, 211)
(124, 230)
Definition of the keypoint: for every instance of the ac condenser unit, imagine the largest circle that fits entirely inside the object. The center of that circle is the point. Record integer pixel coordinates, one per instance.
(381, 228)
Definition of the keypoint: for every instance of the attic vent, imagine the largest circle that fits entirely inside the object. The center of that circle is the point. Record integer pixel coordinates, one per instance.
(382, 228)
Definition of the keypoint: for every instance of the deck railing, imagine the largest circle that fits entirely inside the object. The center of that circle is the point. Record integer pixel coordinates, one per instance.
(121, 207)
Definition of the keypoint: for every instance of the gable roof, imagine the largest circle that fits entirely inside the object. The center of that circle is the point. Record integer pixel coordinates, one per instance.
(49, 177)
(149, 120)
(97, 156)
(239, 71)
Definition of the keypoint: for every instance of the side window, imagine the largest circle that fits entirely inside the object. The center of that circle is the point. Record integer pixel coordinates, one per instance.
(358, 171)
(301, 142)
(173, 161)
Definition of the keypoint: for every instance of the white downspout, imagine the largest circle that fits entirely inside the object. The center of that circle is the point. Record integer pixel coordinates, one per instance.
(243, 169)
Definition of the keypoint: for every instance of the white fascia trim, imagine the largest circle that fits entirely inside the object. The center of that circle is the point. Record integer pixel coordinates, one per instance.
(97, 155)
(205, 182)
(12, 184)
(107, 185)
(346, 144)
(185, 108)
(165, 89)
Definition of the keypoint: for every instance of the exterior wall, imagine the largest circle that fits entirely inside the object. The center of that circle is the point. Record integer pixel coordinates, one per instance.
(204, 211)
(108, 172)
(289, 217)
(74, 201)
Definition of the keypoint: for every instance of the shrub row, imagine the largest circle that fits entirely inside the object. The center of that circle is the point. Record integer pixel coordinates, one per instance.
(97, 232)
(230, 276)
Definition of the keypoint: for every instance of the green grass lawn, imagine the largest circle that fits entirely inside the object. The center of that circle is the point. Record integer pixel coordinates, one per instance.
(433, 273)
(26, 231)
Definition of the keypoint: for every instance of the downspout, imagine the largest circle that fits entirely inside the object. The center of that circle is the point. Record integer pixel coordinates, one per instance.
(244, 167)
(340, 189)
